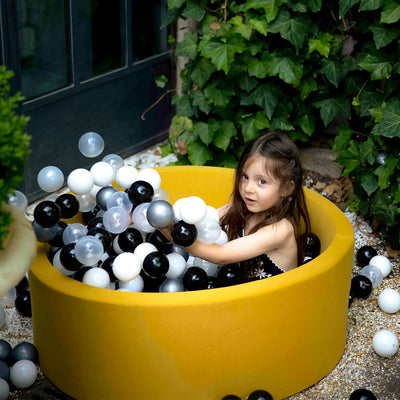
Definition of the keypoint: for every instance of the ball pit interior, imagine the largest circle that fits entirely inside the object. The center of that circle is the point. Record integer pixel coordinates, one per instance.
(280, 334)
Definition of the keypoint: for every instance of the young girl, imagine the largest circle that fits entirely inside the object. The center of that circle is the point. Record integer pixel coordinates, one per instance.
(263, 219)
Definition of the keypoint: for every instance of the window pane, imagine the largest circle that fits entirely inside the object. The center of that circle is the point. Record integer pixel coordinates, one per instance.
(43, 46)
(147, 37)
(101, 37)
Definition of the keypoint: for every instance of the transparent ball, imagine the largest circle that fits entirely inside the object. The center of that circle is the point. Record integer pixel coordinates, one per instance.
(139, 217)
(115, 161)
(50, 179)
(23, 374)
(116, 219)
(177, 266)
(86, 202)
(120, 199)
(208, 230)
(18, 200)
(125, 176)
(91, 144)
(210, 268)
(373, 273)
(80, 181)
(89, 250)
(134, 285)
(160, 194)
(102, 173)
(73, 232)
(222, 238)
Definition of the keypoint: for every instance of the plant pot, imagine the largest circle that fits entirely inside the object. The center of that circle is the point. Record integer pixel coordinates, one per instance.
(19, 251)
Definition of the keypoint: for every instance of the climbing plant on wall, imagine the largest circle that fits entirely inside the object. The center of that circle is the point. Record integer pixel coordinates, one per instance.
(300, 67)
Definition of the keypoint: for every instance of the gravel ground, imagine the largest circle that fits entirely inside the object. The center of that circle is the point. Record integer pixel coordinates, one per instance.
(359, 367)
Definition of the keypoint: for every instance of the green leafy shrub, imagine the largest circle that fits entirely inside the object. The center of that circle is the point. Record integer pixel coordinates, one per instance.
(14, 148)
(300, 67)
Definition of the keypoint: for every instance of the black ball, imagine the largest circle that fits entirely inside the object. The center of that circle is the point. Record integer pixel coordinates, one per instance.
(183, 234)
(362, 394)
(231, 397)
(230, 274)
(4, 371)
(95, 223)
(68, 204)
(24, 351)
(364, 255)
(107, 264)
(47, 213)
(129, 240)
(5, 350)
(179, 250)
(151, 285)
(23, 303)
(361, 287)
(87, 216)
(78, 275)
(103, 235)
(57, 241)
(140, 192)
(157, 239)
(155, 265)
(260, 395)
(212, 282)
(311, 244)
(68, 258)
(195, 278)
(22, 285)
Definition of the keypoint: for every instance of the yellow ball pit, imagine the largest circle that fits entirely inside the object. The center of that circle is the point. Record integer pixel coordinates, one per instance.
(280, 334)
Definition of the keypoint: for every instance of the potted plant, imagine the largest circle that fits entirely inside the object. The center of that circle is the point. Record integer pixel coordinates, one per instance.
(16, 233)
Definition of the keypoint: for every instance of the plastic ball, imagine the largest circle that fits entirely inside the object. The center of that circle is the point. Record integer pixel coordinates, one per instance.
(23, 374)
(73, 232)
(126, 266)
(362, 394)
(22, 285)
(120, 199)
(3, 317)
(80, 273)
(134, 285)
(57, 240)
(18, 200)
(103, 195)
(143, 249)
(183, 233)
(195, 278)
(155, 265)
(230, 274)
(139, 217)
(116, 220)
(151, 176)
(69, 205)
(160, 214)
(222, 238)
(208, 230)
(23, 303)
(68, 258)
(104, 236)
(9, 298)
(361, 287)
(382, 263)
(364, 255)
(91, 144)
(80, 181)
(160, 194)
(389, 301)
(160, 241)
(177, 266)
(311, 244)
(260, 395)
(129, 240)
(86, 202)
(58, 265)
(44, 234)
(179, 250)
(193, 209)
(107, 265)
(97, 277)
(96, 222)
(4, 371)
(125, 176)
(4, 389)
(176, 207)
(373, 273)
(171, 286)
(47, 213)
(102, 173)
(50, 179)
(385, 343)
(89, 250)
(212, 282)
(24, 351)
(115, 161)
(210, 268)
(140, 192)
(5, 350)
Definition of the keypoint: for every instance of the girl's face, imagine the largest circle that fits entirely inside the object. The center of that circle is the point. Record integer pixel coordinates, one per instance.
(258, 189)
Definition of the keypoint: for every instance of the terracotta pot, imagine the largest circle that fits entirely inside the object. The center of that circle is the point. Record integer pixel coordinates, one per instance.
(19, 251)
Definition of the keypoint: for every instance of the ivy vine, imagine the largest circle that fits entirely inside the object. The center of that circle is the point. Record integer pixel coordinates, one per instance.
(300, 67)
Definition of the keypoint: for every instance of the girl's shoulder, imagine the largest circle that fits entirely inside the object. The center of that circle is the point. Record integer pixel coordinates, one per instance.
(283, 228)
(224, 209)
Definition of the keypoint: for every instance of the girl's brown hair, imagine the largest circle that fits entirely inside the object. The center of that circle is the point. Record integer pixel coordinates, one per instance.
(282, 161)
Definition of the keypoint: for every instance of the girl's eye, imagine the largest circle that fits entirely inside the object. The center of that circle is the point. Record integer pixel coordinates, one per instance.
(262, 181)
(245, 177)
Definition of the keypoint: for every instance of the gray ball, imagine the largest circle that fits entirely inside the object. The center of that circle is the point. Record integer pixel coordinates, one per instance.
(103, 195)
(171, 285)
(160, 214)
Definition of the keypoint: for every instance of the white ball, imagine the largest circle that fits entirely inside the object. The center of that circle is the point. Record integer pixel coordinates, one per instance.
(212, 213)
(125, 176)
(382, 263)
(143, 249)
(134, 285)
(151, 176)
(126, 266)
(385, 343)
(97, 277)
(211, 268)
(208, 230)
(4, 389)
(389, 301)
(50, 178)
(177, 265)
(222, 238)
(193, 209)
(80, 181)
(102, 173)
(177, 208)
(23, 374)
